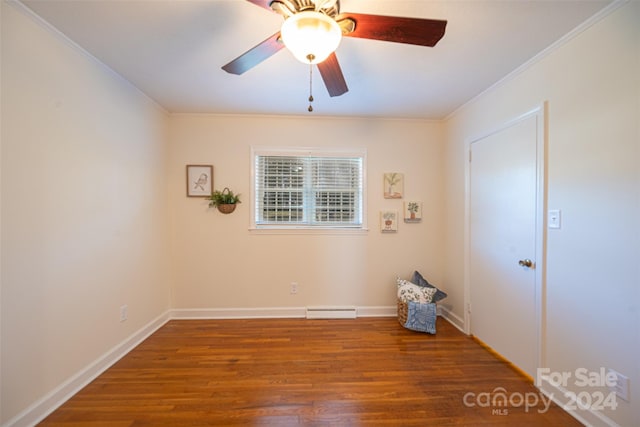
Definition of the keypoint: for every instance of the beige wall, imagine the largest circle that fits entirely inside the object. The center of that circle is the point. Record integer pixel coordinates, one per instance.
(592, 85)
(83, 211)
(219, 263)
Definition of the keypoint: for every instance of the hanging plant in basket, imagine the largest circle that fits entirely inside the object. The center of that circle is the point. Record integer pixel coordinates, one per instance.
(224, 200)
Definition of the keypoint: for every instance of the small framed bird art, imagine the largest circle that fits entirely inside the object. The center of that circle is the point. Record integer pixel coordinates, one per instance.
(199, 180)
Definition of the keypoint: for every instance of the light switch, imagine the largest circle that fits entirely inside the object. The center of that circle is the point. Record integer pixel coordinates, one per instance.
(553, 218)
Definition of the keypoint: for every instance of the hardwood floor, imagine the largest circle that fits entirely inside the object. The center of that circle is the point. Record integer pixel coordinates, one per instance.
(289, 372)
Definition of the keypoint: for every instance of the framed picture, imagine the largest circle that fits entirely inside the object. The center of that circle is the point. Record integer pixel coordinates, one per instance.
(393, 185)
(412, 211)
(389, 221)
(199, 180)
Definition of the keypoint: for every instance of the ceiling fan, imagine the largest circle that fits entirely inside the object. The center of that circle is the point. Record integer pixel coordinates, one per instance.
(312, 30)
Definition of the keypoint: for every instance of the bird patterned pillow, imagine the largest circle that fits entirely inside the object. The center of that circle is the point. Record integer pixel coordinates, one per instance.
(408, 291)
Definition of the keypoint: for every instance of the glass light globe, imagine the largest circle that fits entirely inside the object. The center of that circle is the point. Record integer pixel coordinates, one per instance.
(311, 36)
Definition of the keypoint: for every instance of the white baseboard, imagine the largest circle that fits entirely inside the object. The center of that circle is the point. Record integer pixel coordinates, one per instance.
(452, 318)
(269, 313)
(377, 311)
(43, 407)
(586, 416)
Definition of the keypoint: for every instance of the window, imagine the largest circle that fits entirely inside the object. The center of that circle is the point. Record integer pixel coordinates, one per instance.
(310, 189)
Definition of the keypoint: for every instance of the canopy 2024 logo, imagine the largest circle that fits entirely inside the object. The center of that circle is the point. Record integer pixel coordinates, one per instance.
(594, 400)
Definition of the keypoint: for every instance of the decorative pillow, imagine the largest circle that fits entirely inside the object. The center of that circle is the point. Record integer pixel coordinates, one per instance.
(408, 291)
(421, 281)
(421, 317)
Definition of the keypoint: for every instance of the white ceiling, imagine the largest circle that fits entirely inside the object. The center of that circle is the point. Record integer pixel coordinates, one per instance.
(172, 50)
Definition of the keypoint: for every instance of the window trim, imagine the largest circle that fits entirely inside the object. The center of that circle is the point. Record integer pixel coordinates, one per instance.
(303, 228)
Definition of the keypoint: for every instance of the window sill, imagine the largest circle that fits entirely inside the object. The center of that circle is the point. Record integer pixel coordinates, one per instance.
(308, 230)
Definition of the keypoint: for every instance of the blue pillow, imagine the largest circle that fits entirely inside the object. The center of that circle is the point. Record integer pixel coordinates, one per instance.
(421, 281)
(421, 317)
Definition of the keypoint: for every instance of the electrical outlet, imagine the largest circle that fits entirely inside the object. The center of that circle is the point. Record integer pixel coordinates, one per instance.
(124, 312)
(621, 387)
(294, 288)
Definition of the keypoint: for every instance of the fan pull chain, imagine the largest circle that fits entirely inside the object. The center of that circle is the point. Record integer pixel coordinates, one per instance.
(310, 57)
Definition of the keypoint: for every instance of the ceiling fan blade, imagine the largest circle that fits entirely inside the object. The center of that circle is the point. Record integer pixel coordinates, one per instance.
(332, 76)
(255, 55)
(261, 3)
(417, 31)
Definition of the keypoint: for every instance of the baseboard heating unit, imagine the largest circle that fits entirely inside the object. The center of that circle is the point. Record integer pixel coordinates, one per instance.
(331, 313)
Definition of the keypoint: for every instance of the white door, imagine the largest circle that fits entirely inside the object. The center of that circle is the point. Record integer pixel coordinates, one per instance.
(505, 311)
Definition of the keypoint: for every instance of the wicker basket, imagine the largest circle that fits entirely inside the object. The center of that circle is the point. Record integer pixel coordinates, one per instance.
(403, 312)
(227, 209)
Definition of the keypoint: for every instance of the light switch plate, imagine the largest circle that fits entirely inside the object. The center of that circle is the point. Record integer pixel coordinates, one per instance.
(553, 218)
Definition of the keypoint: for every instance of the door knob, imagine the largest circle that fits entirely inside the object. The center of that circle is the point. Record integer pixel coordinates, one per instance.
(526, 263)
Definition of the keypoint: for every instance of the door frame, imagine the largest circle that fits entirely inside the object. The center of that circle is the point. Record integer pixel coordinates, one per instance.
(540, 272)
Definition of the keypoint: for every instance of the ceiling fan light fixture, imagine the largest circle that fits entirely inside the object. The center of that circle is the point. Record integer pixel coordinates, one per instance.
(311, 36)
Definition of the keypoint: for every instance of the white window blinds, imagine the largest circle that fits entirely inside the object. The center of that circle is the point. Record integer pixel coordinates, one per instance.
(308, 190)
